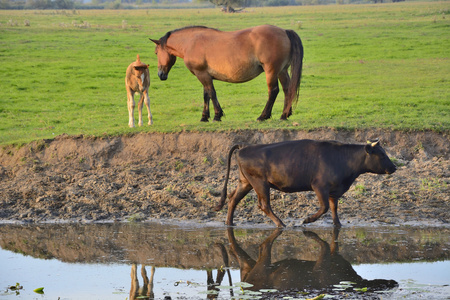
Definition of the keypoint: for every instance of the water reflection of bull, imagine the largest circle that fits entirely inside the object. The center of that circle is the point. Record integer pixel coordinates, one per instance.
(329, 269)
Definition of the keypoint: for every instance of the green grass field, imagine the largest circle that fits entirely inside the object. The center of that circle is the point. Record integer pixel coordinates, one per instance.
(383, 66)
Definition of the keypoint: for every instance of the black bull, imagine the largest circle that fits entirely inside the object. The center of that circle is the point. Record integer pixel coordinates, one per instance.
(326, 167)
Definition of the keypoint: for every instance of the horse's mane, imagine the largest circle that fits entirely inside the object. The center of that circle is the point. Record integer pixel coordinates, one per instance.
(164, 39)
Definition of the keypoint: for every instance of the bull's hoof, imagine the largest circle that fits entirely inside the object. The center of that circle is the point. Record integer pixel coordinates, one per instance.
(204, 119)
(337, 225)
(283, 117)
(217, 119)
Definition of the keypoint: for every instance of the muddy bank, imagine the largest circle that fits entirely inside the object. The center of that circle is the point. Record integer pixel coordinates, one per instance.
(179, 176)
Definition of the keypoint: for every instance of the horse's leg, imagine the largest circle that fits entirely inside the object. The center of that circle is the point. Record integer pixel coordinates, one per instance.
(147, 103)
(285, 80)
(134, 282)
(140, 104)
(131, 104)
(205, 114)
(218, 112)
(209, 93)
(272, 84)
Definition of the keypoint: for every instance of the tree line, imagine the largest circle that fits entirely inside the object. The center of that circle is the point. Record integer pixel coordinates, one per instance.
(227, 5)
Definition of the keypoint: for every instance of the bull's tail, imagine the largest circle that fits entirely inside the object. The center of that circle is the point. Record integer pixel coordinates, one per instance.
(296, 67)
(223, 196)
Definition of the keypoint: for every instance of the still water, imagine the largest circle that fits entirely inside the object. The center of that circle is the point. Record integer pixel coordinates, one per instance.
(188, 261)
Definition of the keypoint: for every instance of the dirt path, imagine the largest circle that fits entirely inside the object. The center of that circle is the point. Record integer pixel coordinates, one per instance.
(180, 176)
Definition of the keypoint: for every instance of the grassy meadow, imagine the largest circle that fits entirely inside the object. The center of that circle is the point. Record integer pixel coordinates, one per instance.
(365, 66)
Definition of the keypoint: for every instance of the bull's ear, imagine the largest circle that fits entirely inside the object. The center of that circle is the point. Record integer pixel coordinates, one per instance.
(157, 42)
(368, 148)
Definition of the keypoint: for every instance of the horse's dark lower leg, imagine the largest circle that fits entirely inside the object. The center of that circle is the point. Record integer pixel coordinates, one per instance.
(205, 114)
(285, 116)
(217, 109)
(267, 112)
(287, 109)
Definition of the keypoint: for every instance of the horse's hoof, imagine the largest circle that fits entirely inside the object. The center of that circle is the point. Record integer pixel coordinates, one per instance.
(261, 118)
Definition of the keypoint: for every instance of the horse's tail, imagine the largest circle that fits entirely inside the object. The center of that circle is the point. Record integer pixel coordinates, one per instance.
(296, 65)
(223, 196)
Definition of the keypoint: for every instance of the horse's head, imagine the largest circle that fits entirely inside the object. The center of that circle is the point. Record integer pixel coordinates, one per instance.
(165, 59)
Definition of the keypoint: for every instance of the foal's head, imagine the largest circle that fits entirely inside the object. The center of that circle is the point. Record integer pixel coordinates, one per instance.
(165, 59)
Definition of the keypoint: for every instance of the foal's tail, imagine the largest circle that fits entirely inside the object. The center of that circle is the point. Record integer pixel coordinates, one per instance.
(296, 65)
(223, 196)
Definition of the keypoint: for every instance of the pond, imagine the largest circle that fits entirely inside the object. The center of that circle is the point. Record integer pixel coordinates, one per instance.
(189, 261)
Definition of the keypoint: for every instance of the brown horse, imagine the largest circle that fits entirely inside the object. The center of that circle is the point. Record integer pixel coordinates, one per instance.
(236, 57)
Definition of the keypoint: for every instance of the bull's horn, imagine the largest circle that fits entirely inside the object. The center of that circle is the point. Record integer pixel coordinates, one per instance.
(138, 58)
(374, 142)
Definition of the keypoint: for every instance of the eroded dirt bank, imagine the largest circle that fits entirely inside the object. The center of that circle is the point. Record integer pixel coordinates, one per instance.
(180, 176)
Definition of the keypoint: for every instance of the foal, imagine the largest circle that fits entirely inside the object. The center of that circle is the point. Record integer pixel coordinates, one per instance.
(138, 80)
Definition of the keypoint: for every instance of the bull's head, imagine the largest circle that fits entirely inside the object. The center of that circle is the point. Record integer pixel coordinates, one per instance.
(165, 59)
(377, 160)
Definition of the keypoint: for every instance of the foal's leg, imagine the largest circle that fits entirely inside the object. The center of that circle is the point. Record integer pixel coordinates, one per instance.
(285, 80)
(147, 103)
(272, 84)
(140, 104)
(131, 104)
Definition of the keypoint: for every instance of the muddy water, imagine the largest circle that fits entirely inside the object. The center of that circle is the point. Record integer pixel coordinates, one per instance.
(189, 261)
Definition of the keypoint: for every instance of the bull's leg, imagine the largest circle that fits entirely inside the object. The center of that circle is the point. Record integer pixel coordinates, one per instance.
(263, 192)
(147, 103)
(272, 84)
(240, 192)
(334, 207)
(285, 80)
(131, 104)
(322, 195)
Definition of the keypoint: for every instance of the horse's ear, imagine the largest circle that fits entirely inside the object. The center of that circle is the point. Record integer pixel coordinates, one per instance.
(157, 42)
